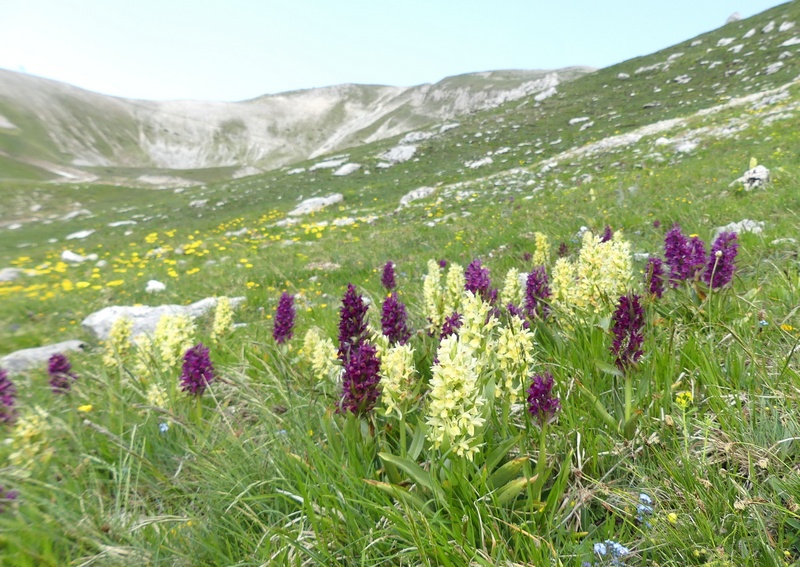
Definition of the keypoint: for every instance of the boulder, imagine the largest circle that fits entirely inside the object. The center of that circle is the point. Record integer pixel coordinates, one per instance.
(74, 257)
(399, 154)
(10, 274)
(753, 178)
(80, 235)
(154, 286)
(735, 17)
(416, 194)
(746, 225)
(316, 204)
(22, 360)
(144, 317)
(347, 169)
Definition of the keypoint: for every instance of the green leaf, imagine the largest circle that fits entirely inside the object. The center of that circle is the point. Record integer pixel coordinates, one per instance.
(607, 368)
(512, 489)
(560, 484)
(506, 473)
(416, 472)
(400, 493)
(500, 452)
(417, 442)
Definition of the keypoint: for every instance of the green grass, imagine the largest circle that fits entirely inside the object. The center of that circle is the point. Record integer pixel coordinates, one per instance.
(264, 471)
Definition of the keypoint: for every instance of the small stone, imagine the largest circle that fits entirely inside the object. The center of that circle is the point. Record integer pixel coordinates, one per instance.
(80, 235)
(154, 286)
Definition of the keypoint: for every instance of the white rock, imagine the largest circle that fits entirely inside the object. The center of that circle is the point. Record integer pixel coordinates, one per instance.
(790, 42)
(6, 124)
(345, 221)
(329, 164)
(22, 360)
(585, 126)
(347, 169)
(296, 170)
(413, 137)
(14, 226)
(445, 127)
(80, 235)
(768, 28)
(785, 26)
(746, 225)
(144, 317)
(121, 223)
(735, 17)
(75, 214)
(399, 154)
(623, 76)
(578, 120)
(316, 204)
(725, 41)
(641, 256)
(545, 94)
(696, 42)
(10, 274)
(779, 241)
(736, 48)
(154, 286)
(478, 163)
(101, 263)
(682, 79)
(753, 178)
(784, 55)
(686, 146)
(70, 256)
(749, 34)
(674, 56)
(416, 194)
(773, 68)
(198, 203)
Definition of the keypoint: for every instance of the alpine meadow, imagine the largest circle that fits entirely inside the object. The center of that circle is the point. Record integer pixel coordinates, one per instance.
(558, 325)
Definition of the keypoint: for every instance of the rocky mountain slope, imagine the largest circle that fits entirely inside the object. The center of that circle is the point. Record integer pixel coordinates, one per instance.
(53, 130)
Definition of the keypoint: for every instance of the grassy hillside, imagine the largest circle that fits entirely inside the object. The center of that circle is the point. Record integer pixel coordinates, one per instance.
(687, 456)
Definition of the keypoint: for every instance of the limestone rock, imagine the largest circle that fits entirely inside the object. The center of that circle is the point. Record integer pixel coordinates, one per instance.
(416, 194)
(316, 204)
(10, 274)
(145, 317)
(80, 235)
(347, 169)
(753, 178)
(22, 360)
(746, 225)
(154, 286)
(74, 257)
(399, 154)
(735, 17)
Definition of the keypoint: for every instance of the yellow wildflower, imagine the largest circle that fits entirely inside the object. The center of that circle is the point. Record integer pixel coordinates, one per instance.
(223, 319)
(85, 408)
(432, 295)
(119, 341)
(454, 289)
(541, 257)
(512, 292)
(397, 378)
(321, 354)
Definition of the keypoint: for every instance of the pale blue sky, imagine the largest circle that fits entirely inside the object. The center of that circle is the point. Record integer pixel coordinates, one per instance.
(239, 49)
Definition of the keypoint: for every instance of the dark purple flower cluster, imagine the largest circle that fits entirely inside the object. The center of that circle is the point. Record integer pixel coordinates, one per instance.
(654, 276)
(685, 257)
(516, 311)
(284, 319)
(360, 389)
(563, 250)
(352, 322)
(537, 291)
(676, 253)
(477, 279)
(61, 375)
(628, 329)
(393, 320)
(607, 235)
(697, 256)
(387, 278)
(197, 372)
(8, 398)
(451, 325)
(6, 496)
(720, 266)
(542, 404)
(443, 263)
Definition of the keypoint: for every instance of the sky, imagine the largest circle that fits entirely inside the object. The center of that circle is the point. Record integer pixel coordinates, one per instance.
(230, 50)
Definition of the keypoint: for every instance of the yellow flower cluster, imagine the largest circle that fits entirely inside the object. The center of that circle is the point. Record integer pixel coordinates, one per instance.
(541, 257)
(512, 291)
(432, 295)
(514, 353)
(29, 438)
(455, 400)
(602, 272)
(321, 353)
(223, 319)
(397, 378)
(174, 335)
(157, 396)
(454, 289)
(119, 342)
(476, 329)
